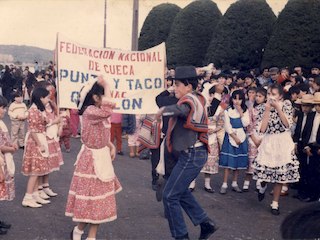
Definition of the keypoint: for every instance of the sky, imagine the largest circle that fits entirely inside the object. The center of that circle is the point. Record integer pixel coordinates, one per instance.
(36, 22)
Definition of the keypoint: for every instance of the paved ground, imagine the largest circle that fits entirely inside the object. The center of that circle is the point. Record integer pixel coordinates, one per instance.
(140, 216)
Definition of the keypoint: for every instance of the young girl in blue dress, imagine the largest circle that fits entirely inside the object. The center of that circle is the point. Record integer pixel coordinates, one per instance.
(234, 152)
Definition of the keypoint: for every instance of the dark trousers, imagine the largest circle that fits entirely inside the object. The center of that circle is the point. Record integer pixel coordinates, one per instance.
(314, 177)
(303, 186)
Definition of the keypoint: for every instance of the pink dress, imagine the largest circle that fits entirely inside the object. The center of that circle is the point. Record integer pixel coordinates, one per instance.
(252, 130)
(90, 199)
(55, 154)
(33, 162)
(7, 187)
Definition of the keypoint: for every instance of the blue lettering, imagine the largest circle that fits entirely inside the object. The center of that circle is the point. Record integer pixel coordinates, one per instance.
(157, 83)
(138, 85)
(130, 83)
(75, 96)
(146, 85)
(116, 81)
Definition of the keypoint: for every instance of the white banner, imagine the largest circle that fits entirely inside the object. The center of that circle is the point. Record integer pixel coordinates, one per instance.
(135, 77)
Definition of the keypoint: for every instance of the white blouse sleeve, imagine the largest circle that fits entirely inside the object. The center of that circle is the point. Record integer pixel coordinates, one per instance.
(245, 119)
(227, 124)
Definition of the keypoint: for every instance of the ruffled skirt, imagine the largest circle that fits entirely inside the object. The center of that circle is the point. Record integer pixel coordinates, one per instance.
(276, 160)
(91, 200)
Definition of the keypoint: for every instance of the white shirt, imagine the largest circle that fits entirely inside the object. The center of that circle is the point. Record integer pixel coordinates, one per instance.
(315, 127)
(233, 113)
(304, 119)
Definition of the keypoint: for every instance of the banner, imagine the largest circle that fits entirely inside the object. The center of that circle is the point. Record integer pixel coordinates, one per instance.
(135, 77)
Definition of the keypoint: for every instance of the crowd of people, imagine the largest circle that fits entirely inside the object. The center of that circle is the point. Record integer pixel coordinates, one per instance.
(209, 122)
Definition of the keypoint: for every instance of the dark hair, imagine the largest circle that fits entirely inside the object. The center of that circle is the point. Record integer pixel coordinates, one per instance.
(16, 94)
(242, 97)
(317, 80)
(95, 90)
(263, 92)
(303, 87)
(252, 89)
(278, 87)
(233, 85)
(298, 79)
(212, 90)
(303, 223)
(294, 90)
(3, 101)
(192, 81)
(37, 94)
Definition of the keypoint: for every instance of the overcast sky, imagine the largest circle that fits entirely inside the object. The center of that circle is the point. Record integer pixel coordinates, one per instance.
(36, 22)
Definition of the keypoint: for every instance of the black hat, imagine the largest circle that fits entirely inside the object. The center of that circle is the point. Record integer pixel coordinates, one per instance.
(185, 72)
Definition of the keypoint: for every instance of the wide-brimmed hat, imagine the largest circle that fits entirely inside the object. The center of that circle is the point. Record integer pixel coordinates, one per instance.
(306, 99)
(316, 99)
(186, 72)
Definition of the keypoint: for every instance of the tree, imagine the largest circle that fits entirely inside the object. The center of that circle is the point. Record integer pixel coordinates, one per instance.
(191, 33)
(296, 39)
(241, 35)
(156, 27)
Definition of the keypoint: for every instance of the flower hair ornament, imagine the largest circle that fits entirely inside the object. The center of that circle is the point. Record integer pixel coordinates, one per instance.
(84, 91)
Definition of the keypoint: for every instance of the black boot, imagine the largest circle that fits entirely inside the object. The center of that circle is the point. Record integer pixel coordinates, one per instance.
(5, 225)
(3, 231)
(207, 229)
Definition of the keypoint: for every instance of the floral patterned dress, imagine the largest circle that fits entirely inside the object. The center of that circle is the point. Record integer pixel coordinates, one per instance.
(212, 164)
(90, 199)
(34, 162)
(7, 191)
(276, 160)
(252, 130)
(55, 154)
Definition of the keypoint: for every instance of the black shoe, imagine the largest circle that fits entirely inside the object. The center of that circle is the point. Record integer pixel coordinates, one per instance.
(261, 196)
(209, 190)
(154, 186)
(5, 225)
(3, 231)
(186, 236)
(275, 211)
(120, 153)
(207, 229)
(160, 187)
(21, 147)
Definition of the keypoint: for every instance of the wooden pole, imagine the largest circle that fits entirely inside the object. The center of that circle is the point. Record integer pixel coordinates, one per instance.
(105, 25)
(135, 22)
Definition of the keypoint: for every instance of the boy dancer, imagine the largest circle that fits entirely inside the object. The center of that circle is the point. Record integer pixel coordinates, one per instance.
(187, 134)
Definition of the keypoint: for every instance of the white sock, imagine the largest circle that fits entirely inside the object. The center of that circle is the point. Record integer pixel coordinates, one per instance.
(246, 183)
(263, 189)
(234, 184)
(91, 239)
(207, 182)
(77, 233)
(45, 185)
(274, 205)
(28, 196)
(192, 184)
(224, 185)
(284, 188)
(258, 184)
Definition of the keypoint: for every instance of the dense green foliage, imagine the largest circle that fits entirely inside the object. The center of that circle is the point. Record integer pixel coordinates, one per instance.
(295, 39)
(242, 35)
(191, 33)
(156, 27)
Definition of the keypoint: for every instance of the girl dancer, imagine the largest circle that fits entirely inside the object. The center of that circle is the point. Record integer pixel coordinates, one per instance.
(94, 184)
